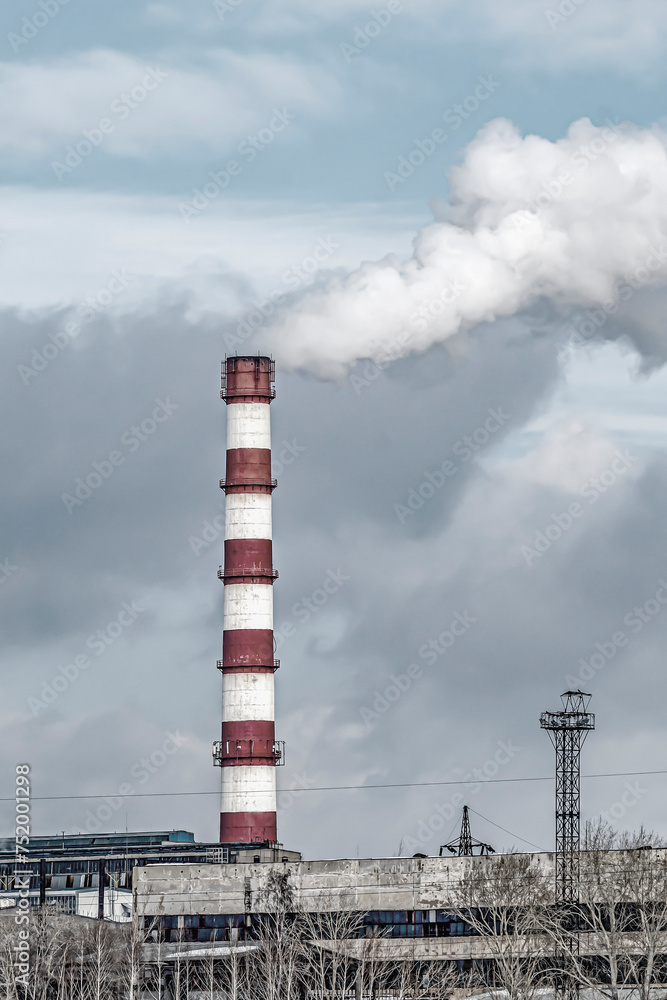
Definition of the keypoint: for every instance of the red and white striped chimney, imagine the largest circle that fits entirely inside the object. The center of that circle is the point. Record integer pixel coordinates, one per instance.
(248, 752)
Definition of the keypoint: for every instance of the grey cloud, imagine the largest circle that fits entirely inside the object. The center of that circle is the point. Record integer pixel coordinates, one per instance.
(333, 511)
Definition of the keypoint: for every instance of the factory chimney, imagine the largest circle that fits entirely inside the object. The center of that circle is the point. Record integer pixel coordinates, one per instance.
(248, 752)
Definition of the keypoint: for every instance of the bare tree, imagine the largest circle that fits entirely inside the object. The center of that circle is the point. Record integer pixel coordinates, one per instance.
(501, 900)
(412, 978)
(622, 914)
(178, 971)
(237, 972)
(329, 959)
(277, 965)
(149, 932)
(71, 958)
(7, 971)
(208, 978)
(372, 966)
(132, 961)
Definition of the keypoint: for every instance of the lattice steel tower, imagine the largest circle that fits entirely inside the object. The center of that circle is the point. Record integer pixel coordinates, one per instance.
(464, 845)
(568, 730)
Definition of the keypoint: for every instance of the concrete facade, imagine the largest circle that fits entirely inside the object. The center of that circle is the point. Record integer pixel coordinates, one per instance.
(359, 885)
(401, 906)
(406, 896)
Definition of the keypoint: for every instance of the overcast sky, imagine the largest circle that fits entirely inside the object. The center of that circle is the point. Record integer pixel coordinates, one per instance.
(166, 169)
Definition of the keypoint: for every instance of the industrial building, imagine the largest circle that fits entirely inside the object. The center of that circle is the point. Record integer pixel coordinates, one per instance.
(400, 899)
(91, 874)
(415, 927)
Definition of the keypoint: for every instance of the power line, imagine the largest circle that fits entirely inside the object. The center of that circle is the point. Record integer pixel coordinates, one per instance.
(522, 839)
(338, 788)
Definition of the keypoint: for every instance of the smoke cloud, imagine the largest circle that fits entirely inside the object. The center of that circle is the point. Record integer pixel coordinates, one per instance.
(580, 222)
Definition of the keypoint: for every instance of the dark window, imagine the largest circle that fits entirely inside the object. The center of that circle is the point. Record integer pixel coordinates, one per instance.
(222, 920)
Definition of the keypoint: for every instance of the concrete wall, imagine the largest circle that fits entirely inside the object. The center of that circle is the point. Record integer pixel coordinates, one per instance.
(360, 885)
(348, 885)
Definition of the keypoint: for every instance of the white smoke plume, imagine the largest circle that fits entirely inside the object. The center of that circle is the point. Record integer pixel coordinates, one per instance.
(527, 218)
